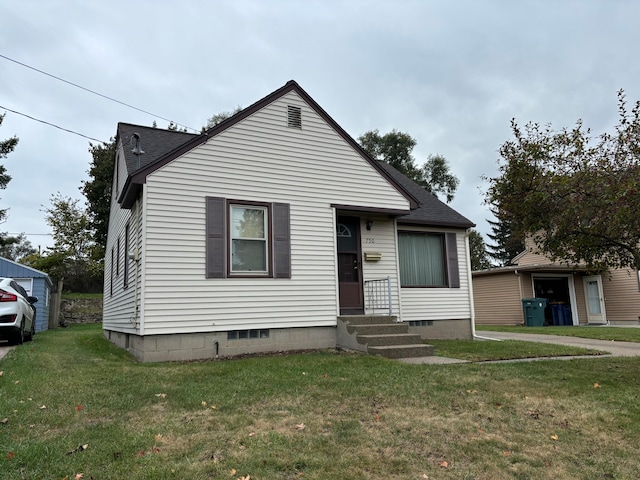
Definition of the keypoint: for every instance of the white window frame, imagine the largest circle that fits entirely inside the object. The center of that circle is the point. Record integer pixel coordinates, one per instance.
(266, 222)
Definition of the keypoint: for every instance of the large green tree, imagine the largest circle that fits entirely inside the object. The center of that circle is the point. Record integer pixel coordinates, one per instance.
(6, 147)
(16, 248)
(575, 194)
(396, 148)
(478, 251)
(97, 192)
(73, 244)
(507, 243)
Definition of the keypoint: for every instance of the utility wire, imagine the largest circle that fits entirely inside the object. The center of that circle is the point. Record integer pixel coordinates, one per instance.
(53, 125)
(95, 93)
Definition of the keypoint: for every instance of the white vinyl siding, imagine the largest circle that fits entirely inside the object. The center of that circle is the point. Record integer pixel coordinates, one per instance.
(257, 160)
(118, 308)
(440, 303)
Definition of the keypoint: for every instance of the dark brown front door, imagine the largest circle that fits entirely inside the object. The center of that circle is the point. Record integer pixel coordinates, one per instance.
(349, 266)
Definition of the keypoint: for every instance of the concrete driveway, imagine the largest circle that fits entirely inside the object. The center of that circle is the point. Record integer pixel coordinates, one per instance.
(5, 348)
(616, 349)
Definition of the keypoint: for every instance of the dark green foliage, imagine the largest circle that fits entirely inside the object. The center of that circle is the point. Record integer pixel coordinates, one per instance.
(478, 251)
(577, 196)
(15, 248)
(6, 147)
(396, 149)
(507, 244)
(97, 193)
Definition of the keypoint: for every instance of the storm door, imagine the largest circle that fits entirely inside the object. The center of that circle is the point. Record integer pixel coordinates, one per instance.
(594, 299)
(349, 266)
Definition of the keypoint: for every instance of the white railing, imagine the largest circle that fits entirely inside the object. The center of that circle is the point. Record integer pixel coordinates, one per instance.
(378, 295)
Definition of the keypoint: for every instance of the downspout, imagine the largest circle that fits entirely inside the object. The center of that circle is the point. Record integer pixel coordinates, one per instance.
(470, 283)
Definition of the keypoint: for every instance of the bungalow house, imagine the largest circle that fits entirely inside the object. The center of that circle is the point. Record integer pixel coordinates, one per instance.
(575, 295)
(274, 231)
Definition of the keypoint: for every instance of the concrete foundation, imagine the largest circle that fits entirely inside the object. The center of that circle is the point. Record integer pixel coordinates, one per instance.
(200, 346)
(443, 329)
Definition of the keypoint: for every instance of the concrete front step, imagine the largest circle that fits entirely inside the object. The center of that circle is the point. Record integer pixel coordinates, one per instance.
(402, 351)
(379, 329)
(392, 339)
(368, 319)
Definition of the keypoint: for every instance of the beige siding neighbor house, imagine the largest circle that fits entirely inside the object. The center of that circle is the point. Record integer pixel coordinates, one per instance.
(575, 296)
(260, 233)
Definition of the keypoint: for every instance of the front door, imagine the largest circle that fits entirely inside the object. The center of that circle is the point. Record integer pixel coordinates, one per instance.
(349, 266)
(594, 299)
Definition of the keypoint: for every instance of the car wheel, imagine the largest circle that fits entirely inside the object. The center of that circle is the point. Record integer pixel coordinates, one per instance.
(28, 337)
(18, 339)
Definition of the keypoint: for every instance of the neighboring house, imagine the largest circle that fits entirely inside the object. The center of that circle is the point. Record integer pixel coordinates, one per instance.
(36, 283)
(258, 234)
(575, 295)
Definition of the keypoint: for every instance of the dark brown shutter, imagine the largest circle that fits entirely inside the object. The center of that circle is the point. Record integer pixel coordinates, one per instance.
(215, 231)
(281, 241)
(452, 261)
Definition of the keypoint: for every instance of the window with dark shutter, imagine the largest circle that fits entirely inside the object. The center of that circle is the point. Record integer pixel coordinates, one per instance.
(281, 241)
(215, 241)
(452, 261)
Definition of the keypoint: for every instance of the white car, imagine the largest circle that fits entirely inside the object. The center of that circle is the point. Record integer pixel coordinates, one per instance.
(17, 313)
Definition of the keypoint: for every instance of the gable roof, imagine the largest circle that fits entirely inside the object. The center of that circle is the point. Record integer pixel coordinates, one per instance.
(431, 211)
(162, 146)
(9, 268)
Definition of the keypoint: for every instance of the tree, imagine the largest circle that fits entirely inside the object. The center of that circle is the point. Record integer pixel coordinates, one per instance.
(396, 149)
(478, 251)
(73, 243)
(6, 147)
(220, 117)
(507, 244)
(97, 192)
(16, 248)
(577, 196)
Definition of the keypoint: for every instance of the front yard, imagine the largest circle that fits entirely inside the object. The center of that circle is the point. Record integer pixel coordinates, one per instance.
(74, 406)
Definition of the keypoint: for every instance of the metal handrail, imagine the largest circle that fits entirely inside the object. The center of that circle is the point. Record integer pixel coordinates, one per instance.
(378, 294)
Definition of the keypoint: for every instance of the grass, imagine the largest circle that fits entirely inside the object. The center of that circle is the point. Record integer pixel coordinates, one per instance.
(482, 351)
(72, 296)
(618, 334)
(312, 416)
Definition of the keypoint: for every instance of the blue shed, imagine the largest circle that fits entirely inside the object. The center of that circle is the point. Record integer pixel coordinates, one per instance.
(36, 283)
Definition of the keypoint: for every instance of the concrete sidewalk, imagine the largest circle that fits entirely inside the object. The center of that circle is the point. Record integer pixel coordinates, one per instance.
(613, 348)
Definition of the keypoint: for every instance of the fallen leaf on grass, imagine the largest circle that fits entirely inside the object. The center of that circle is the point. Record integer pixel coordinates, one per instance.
(10, 455)
(233, 471)
(300, 426)
(155, 450)
(248, 477)
(79, 408)
(506, 453)
(78, 476)
(158, 437)
(444, 464)
(81, 448)
(213, 407)
(325, 375)
(5, 421)
(252, 434)
(596, 385)
(43, 407)
(1, 374)
(161, 395)
(554, 437)
(204, 404)
(141, 453)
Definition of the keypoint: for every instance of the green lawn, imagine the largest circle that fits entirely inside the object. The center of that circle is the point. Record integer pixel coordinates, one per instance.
(71, 403)
(618, 334)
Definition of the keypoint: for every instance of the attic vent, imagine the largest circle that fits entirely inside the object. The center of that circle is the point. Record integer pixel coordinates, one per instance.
(294, 117)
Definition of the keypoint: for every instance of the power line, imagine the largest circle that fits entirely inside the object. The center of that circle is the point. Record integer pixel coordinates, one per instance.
(95, 93)
(52, 124)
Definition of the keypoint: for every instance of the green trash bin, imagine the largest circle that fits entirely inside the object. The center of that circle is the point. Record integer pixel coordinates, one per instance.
(534, 311)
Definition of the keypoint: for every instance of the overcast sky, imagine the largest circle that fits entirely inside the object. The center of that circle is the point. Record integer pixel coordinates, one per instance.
(450, 73)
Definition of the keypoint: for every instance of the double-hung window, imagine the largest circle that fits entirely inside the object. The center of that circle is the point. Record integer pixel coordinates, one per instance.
(249, 235)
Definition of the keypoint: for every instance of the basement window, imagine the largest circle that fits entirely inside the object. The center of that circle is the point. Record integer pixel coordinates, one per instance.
(420, 323)
(244, 334)
(294, 117)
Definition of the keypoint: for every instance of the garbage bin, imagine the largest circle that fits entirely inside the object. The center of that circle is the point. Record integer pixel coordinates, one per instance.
(534, 311)
(557, 313)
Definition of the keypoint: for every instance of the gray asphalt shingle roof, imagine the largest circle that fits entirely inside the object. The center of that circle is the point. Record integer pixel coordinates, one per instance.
(431, 210)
